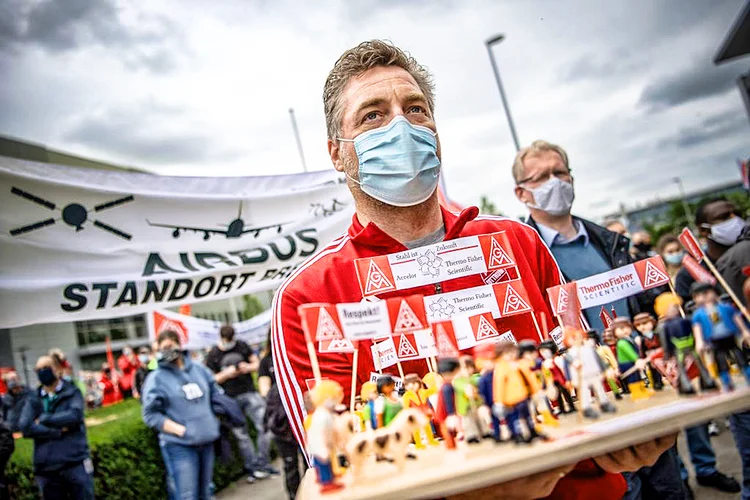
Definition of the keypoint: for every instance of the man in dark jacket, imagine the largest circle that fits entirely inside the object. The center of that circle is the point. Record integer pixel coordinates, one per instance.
(14, 400)
(53, 417)
(718, 221)
(7, 446)
(581, 248)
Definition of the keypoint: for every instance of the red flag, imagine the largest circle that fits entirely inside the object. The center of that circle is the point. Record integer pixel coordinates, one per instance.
(512, 298)
(407, 314)
(445, 339)
(697, 271)
(113, 368)
(745, 172)
(322, 322)
(652, 272)
(688, 240)
(605, 317)
(565, 303)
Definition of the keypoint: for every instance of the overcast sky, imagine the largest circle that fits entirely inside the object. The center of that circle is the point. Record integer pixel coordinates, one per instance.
(203, 88)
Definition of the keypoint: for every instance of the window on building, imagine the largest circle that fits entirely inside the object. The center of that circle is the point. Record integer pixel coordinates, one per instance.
(96, 331)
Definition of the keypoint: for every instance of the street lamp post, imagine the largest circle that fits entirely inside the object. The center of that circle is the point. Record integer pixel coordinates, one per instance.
(685, 204)
(489, 43)
(299, 141)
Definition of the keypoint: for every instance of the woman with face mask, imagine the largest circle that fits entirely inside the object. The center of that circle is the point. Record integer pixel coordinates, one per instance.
(177, 403)
(671, 251)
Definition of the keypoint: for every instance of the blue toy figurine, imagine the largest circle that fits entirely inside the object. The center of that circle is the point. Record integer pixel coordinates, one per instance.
(719, 327)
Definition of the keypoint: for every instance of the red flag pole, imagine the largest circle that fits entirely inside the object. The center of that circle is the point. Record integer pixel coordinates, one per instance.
(112, 368)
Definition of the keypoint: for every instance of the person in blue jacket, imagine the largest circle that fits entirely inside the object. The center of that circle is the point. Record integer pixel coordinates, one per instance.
(53, 417)
(177, 403)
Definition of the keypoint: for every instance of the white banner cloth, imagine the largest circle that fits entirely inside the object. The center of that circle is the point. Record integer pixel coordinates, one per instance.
(79, 243)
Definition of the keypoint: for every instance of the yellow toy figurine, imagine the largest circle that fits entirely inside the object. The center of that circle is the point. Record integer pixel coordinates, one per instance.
(321, 439)
(369, 394)
(413, 399)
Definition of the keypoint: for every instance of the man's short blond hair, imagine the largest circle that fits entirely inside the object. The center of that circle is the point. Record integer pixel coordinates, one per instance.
(536, 147)
(357, 60)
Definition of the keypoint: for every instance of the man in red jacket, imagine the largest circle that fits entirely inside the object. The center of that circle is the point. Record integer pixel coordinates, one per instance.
(379, 105)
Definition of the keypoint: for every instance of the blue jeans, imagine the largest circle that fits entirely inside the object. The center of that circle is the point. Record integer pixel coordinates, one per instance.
(254, 407)
(660, 481)
(739, 423)
(701, 452)
(189, 470)
(72, 482)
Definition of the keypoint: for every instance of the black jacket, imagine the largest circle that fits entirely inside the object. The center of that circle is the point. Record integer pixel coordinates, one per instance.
(59, 433)
(730, 264)
(12, 406)
(615, 249)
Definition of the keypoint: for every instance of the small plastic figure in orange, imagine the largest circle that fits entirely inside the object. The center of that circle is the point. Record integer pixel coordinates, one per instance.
(514, 385)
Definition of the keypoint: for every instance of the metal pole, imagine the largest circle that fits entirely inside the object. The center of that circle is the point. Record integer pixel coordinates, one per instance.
(685, 204)
(296, 136)
(512, 127)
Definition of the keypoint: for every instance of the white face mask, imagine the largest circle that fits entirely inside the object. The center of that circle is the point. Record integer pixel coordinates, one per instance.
(726, 233)
(554, 197)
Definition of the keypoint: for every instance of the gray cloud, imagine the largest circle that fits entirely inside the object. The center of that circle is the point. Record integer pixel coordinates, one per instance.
(590, 66)
(138, 133)
(711, 128)
(153, 42)
(698, 81)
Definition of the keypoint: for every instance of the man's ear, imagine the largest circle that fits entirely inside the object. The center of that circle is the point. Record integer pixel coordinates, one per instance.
(522, 194)
(334, 151)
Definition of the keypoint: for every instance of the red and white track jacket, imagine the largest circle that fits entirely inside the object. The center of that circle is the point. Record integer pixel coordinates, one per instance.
(330, 276)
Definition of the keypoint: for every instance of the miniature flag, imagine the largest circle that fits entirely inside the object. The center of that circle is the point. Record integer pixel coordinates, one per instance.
(406, 347)
(697, 271)
(512, 298)
(320, 322)
(484, 327)
(605, 317)
(445, 339)
(652, 272)
(565, 303)
(688, 240)
(336, 345)
(497, 251)
(407, 314)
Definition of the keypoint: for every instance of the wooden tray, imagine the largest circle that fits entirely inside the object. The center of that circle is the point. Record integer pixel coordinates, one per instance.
(439, 472)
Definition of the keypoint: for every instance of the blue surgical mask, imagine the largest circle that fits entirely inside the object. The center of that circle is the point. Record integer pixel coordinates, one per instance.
(674, 259)
(398, 163)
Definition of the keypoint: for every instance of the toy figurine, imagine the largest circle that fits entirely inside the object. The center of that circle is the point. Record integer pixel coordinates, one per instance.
(649, 345)
(678, 342)
(368, 395)
(413, 398)
(321, 442)
(587, 373)
(387, 405)
(529, 357)
(629, 362)
(719, 326)
(445, 409)
(609, 357)
(484, 357)
(514, 386)
(468, 400)
(555, 380)
(393, 440)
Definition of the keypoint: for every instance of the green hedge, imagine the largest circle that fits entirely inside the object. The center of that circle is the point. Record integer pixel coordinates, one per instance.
(126, 456)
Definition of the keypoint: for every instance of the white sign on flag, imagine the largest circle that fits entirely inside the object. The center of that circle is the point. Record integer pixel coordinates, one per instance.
(364, 320)
(81, 244)
(621, 282)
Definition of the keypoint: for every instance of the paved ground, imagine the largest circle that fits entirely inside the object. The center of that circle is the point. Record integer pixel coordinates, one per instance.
(728, 462)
